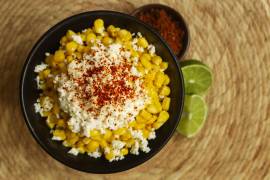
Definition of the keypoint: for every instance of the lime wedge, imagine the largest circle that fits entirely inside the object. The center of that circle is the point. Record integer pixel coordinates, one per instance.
(197, 76)
(193, 117)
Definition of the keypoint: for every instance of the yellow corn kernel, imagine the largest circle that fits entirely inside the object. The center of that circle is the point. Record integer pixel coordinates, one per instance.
(126, 136)
(80, 48)
(45, 73)
(71, 47)
(103, 143)
(134, 53)
(69, 34)
(92, 146)
(131, 124)
(83, 37)
(110, 155)
(86, 49)
(61, 123)
(119, 131)
(99, 37)
(163, 66)
(145, 133)
(129, 143)
(163, 116)
(124, 151)
(86, 140)
(139, 126)
(63, 40)
(66, 144)
(73, 139)
(152, 120)
(49, 59)
(90, 38)
(95, 134)
(56, 109)
(81, 149)
(140, 119)
(59, 56)
(107, 40)
(157, 125)
(51, 121)
(78, 55)
(165, 91)
(154, 108)
(156, 60)
(69, 59)
(98, 26)
(145, 62)
(166, 103)
(59, 134)
(159, 79)
(142, 42)
(140, 69)
(155, 68)
(146, 115)
(166, 80)
(124, 35)
(108, 134)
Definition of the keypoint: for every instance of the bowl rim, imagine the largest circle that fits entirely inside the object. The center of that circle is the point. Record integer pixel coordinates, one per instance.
(30, 58)
(180, 56)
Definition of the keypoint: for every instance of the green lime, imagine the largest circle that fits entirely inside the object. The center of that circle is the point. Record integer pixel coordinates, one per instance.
(197, 76)
(193, 117)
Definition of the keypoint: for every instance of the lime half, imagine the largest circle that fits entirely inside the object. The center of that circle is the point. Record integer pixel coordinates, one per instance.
(193, 117)
(197, 76)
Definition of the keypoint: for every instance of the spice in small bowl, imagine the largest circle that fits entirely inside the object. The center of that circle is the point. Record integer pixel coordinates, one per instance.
(169, 23)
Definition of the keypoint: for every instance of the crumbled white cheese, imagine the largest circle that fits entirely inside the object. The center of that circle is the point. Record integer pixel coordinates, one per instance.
(77, 39)
(116, 144)
(37, 107)
(47, 104)
(47, 54)
(110, 116)
(151, 48)
(152, 135)
(95, 154)
(56, 138)
(74, 151)
(135, 148)
(139, 34)
(40, 67)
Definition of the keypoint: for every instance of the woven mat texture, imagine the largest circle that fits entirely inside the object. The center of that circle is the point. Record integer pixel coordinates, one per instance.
(232, 37)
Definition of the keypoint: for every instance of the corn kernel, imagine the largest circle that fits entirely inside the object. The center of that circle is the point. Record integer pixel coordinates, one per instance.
(109, 155)
(130, 142)
(108, 134)
(145, 133)
(69, 34)
(61, 123)
(59, 134)
(132, 123)
(163, 116)
(90, 38)
(63, 40)
(86, 140)
(140, 119)
(59, 56)
(139, 126)
(119, 131)
(166, 80)
(107, 40)
(157, 125)
(103, 143)
(156, 60)
(152, 120)
(98, 26)
(146, 115)
(165, 91)
(166, 103)
(69, 59)
(142, 42)
(159, 79)
(71, 47)
(164, 66)
(124, 151)
(92, 146)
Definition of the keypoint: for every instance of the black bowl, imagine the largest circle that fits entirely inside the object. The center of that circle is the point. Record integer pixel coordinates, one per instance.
(176, 16)
(29, 93)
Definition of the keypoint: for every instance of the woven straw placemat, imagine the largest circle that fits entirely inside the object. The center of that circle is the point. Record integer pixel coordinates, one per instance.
(232, 37)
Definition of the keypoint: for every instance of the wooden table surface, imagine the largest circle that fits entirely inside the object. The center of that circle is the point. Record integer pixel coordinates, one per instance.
(232, 37)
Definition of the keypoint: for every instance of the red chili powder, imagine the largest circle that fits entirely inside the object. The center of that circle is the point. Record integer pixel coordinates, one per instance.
(168, 28)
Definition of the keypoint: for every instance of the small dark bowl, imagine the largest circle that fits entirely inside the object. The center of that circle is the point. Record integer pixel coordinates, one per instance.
(29, 93)
(177, 17)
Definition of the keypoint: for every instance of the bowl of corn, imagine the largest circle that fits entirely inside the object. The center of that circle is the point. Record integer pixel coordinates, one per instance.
(101, 92)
